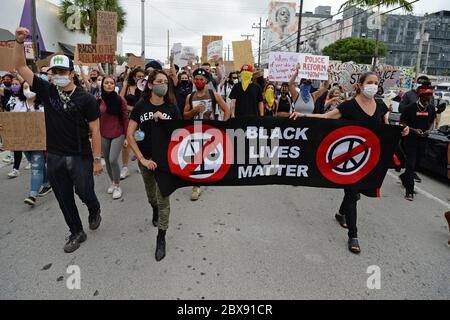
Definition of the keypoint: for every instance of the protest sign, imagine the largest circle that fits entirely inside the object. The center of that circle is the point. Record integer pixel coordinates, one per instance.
(135, 61)
(23, 131)
(215, 50)
(29, 50)
(95, 53)
(282, 65)
(188, 55)
(229, 67)
(313, 67)
(107, 28)
(242, 53)
(7, 55)
(176, 53)
(263, 151)
(206, 40)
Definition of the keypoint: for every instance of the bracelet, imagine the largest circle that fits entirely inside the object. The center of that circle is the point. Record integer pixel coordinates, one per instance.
(19, 41)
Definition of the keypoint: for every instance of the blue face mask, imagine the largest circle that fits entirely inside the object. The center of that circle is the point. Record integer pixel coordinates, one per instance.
(305, 92)
(44, 77)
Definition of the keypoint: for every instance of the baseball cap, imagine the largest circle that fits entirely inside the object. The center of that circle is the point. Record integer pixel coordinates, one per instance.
(61, 62)
(153, 64)
(247, 67)
(200, 72)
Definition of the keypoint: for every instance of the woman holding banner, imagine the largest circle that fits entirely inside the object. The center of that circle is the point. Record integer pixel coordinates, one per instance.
(364, 107)
(304, 101)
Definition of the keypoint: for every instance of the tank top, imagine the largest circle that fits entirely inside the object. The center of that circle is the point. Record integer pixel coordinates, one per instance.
(302, 106)
(284, 105)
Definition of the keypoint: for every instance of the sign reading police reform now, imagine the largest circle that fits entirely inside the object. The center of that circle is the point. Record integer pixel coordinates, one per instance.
(305, 152)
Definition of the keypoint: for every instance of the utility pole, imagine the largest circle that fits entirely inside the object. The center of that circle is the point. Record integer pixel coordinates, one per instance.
(34, 30)
(419, 52)
(259, 26)
(299, 30)
(143, 28)
(428, 56)
(377, 39)
(228, 52)
(168, 46)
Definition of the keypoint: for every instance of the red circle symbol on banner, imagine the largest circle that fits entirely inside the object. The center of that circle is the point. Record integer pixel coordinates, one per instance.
(200, 153)
(348, 154)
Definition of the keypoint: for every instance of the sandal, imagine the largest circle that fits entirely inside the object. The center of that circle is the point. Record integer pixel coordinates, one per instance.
(341, 219)
(353, 245)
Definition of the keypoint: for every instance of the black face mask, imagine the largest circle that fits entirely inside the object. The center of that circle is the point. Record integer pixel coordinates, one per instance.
(7, 84)
(186, 87)
(94, 79)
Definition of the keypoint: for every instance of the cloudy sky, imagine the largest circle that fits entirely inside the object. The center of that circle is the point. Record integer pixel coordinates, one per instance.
(188, 20)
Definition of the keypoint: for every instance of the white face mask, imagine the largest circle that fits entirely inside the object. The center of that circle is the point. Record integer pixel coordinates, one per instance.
(29, 94)
(60, 81)
(370, 90)
(99, 83)
(235, 81)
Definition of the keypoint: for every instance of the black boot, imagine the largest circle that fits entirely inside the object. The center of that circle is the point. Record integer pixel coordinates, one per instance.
(160, 252)
(155, 216)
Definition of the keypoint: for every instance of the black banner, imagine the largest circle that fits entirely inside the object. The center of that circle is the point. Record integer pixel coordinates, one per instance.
(266, 151)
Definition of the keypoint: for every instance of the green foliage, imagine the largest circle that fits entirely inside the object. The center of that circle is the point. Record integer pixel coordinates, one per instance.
(387, 3)
(354, 49)
(88, 10)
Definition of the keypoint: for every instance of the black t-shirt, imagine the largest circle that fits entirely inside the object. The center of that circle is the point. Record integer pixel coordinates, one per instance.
(67, 129)
(416, 118)
(246, 101)
(351, 110)
(284, 105)
(143, 115)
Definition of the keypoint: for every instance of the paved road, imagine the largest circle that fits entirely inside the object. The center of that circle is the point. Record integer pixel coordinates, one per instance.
(271, 242)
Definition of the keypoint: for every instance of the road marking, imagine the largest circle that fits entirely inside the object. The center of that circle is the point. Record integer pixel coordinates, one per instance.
(423, 192)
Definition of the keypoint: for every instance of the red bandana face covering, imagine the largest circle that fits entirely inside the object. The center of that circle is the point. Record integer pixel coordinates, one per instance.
(422, 92)
(199, 85)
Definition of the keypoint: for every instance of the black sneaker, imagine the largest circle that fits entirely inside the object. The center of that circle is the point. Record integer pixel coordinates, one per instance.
(409, 196)
(44, 191)
(30, 201)
(74, 242)
(417, 178)
(94, 220)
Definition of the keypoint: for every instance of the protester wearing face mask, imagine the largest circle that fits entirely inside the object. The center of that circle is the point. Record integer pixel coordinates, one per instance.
(227, 86)
(246, 97)
(284, 102)
(420, 117)
(132, 94)
(44, 74)
(39, 185)
(5, 90)
(157, 103)
(411, 97)
(70, 115)
(14, 104)
(304, 102)
(334, 99)
(113, 129)
(182, 90)
(364, 107)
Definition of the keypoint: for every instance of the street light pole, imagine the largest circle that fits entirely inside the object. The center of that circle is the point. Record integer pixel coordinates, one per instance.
(143, 28)
(299, 30)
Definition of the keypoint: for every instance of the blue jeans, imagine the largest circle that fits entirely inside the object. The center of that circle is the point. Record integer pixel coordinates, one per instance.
(67, 173)
(38, 171)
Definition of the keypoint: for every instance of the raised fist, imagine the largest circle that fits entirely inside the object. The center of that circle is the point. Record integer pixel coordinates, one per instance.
(22, 34)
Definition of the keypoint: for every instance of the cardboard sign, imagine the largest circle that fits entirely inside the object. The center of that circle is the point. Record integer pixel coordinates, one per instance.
(23, 131)
(107, 28)
(215, 50)
(313, 67)
(176, 53)
(134, 61)
(206, 40)
(282, 65)
(242, 53)
(6, 55)
(96, 53)
(229, 67)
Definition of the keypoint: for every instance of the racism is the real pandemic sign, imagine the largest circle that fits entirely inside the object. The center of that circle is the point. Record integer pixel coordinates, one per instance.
(282, 66)
(95, 53)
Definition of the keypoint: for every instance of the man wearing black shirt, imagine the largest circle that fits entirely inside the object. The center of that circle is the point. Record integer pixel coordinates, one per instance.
(419, 116)
(70, 114)
(246, 97)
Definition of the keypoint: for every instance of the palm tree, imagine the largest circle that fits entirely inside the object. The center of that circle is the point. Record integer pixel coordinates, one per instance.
(88, 12)
(369, 3)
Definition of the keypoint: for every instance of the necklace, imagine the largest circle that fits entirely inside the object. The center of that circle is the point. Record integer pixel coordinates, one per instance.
(65, 98)
(419, 105)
